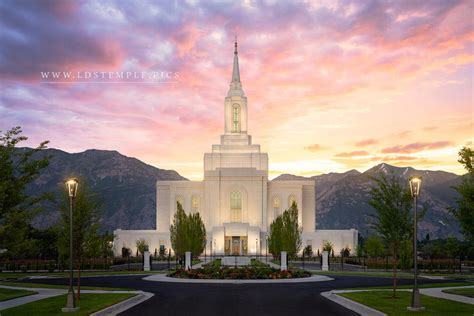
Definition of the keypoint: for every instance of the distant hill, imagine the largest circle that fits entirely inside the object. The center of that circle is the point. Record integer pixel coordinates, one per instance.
(125, 185)
(127, 188)
(342, 199)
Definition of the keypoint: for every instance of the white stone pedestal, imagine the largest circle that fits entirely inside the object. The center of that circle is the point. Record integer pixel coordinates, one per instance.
(325, 266)
(283, 265)
(187, 261)
(146, 261)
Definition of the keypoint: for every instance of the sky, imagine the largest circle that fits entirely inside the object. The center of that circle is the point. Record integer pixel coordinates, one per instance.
(331, 86)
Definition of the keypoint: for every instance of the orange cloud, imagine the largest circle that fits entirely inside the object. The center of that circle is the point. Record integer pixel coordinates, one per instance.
(366, 142)
(313, 148)
(357, 153)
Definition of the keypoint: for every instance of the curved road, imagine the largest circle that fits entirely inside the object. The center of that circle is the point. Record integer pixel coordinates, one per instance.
(234, 299)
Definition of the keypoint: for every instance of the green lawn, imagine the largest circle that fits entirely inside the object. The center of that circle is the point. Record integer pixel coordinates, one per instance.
(55, 286)
(8, 294)
(89, 303)
(469, 292)
(19, 275)
(410, 286)
(383, 302)
(400, 275)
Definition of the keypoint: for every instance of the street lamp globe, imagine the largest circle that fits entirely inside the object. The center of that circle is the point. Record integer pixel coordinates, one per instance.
(72, 185)
(415, 185)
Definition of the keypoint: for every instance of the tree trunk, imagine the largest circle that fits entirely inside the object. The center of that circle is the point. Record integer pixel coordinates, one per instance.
(394, 265)
(79, 281)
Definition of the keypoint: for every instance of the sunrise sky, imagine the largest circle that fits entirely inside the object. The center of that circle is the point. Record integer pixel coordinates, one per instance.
(331, 86)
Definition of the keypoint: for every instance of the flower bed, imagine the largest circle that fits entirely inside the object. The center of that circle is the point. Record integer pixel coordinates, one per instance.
(255, 271)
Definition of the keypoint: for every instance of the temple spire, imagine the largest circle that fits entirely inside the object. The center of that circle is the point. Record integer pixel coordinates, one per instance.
(235, 88)
(235, 70)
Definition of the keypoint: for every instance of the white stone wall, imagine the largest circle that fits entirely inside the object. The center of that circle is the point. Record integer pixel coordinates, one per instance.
(339, 238)
(128, 239)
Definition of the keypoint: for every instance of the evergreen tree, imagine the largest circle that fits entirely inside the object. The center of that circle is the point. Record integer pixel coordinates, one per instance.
(187, 233)
(285, 233)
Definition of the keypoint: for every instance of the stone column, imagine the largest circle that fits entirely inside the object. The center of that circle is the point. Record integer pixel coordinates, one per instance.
(187, 261)
(325, 266)
(146, 261)
(283, 265)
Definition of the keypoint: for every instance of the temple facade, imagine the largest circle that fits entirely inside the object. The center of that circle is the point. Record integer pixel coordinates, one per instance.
(236, 200)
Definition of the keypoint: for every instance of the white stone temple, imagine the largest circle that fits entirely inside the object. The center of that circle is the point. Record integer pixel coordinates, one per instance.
(236, 200)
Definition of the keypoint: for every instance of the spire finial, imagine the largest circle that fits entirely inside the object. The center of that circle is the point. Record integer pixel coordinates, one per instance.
(235, 51)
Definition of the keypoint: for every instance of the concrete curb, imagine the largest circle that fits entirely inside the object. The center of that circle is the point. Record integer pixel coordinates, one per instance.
(124, 305)
(352, 305)
(164, 278)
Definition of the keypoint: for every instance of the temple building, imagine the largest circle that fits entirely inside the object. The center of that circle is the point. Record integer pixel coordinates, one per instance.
(236, 200)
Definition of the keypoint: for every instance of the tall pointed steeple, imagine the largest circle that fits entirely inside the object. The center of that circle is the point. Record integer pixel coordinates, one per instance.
(235, 88)
(235, 70)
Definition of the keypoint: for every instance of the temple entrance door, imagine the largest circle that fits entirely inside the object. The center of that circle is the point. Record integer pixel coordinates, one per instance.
(235, 245)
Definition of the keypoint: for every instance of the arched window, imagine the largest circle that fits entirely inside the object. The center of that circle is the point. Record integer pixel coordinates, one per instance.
(235, 118)
(195, 203)
(236, 207)
(180, 199)
(291, 199)
(276, 206)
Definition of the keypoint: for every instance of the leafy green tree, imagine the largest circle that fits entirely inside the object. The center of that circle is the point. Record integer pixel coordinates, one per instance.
(285, 233)
(196, 234)
(451, 248)
(464, 212)
(308, 251)
(393, 220)
(141, 245)
(187, 233)
(86, 217)
(406, 254)
(328, 246)
(18, 168)
(374, 247)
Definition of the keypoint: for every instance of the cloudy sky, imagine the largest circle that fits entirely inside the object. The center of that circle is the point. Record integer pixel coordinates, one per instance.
(331, 86)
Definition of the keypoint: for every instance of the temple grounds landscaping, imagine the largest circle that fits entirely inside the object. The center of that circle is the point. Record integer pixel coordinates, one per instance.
(469, 292)
(382, 301)
(89, 303)
(8, 294)
(256, 270)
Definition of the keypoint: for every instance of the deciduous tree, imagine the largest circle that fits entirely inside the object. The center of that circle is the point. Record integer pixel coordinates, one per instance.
(464, 212)
(393, 219)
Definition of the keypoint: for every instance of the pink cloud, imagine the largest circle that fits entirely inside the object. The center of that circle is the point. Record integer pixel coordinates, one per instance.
(416, 147)
(366, 142)
(357, 153)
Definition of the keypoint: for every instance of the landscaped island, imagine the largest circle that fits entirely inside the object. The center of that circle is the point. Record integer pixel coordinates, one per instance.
(256, 270)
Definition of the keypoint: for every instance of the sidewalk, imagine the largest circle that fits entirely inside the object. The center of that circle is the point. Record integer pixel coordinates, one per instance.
(366, 310)
(46, 293)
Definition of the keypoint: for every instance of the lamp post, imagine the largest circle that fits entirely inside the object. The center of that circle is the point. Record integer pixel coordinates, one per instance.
(415, 184)
(71, 186)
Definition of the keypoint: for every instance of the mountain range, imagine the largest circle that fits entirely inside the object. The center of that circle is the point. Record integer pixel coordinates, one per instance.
(126, 187)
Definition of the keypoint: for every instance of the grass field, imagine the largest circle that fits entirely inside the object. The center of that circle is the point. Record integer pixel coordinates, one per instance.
(89, 303)
(55, 286)
(400, 275)
(383, 302)
(8, 294)
(410, 286)
(469, 292)
(20, 275)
